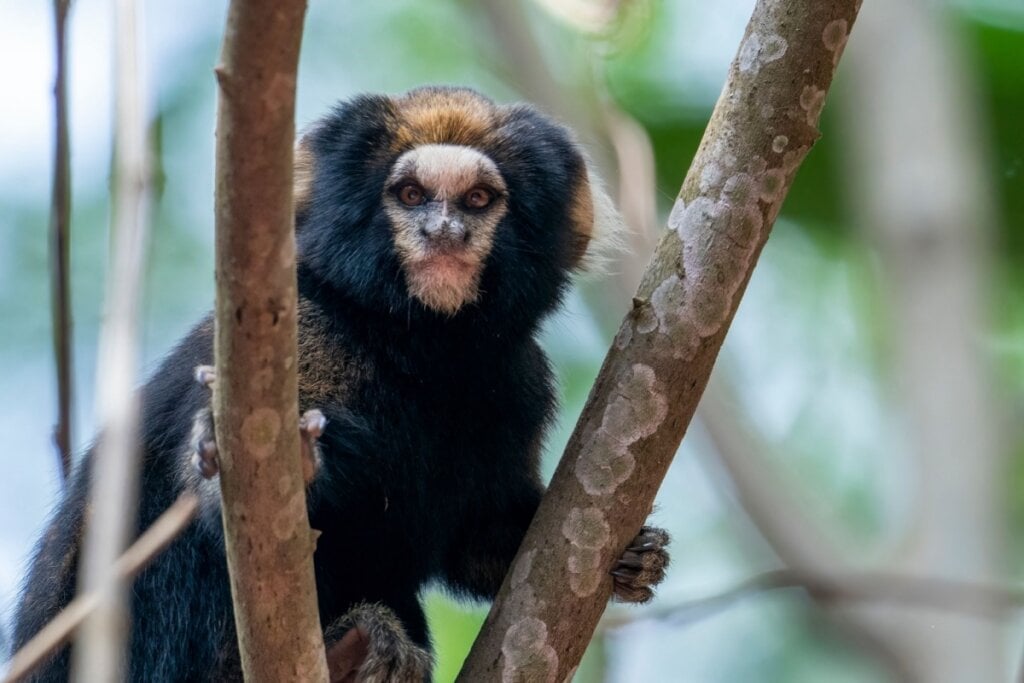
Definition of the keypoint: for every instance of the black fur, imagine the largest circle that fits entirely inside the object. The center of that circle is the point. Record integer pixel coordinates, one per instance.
(430, 458)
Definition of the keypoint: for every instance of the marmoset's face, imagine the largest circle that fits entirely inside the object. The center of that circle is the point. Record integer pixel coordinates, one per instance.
(445, 203)
(440, 202)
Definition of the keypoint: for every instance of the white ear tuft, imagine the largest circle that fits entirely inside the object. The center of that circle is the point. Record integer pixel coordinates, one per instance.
(608, 234)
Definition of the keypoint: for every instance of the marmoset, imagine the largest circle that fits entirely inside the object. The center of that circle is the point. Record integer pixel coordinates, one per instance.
(435, 231)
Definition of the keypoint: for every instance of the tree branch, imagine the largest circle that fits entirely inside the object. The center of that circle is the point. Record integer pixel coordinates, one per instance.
(60, 226)
(647, 391)
(269, 542)
(992, 602)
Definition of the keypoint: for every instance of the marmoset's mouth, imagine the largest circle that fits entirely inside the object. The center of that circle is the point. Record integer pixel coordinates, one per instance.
(445, 259)
(444, 279)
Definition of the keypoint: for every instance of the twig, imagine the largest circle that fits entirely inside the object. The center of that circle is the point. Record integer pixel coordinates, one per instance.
(60, 223)
(652, 379)
(100, 652)
(979, 600)
(150, 544)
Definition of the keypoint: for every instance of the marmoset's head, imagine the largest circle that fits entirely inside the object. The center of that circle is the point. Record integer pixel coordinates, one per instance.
(440, 202)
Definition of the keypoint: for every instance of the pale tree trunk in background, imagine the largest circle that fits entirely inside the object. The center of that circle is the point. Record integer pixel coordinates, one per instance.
(647, 391)
(926, 208)
(99, 652)
(268, 540)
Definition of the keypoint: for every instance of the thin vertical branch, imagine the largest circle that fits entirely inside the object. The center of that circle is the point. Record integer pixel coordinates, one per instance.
(653, 376)
(60, 226)
(99, 655)
(268, 539)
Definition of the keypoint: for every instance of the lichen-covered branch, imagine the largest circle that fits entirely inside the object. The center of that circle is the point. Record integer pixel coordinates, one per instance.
(764, 124)
(269, 542)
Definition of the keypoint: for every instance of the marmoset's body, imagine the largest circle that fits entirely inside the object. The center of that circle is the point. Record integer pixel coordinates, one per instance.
(435, 230)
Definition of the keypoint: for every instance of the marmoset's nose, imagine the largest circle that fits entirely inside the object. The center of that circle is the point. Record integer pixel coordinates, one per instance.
(444, 229)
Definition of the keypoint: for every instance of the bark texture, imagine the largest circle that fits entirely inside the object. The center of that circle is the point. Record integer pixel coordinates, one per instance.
(762, 127)
(269, 542)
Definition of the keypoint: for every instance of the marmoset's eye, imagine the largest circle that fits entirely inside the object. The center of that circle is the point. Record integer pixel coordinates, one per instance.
(411, 194)
(478, 198)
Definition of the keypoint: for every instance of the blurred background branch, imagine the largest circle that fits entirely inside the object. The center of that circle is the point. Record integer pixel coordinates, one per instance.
(935, 595)
(99, 651)
(919, 181)
(60, 243)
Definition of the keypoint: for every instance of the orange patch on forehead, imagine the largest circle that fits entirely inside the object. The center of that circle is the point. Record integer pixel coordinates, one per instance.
(455, 117)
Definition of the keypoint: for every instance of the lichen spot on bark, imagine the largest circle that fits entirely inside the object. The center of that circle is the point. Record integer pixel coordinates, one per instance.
(635, 413)
(604, 465)
(719, 239)
(624, 336)
(667, 301)
(639, 408)
(287, 519)
(779, 144)
(521, 570)
(528, 656)
(812, 99)
(758, 50)
(711, 176)
(586, 528)
(588, 533)
(584, 572)
(773, 184)
(259, 432)
(261, 380)
(835, 35)
(284, 485)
